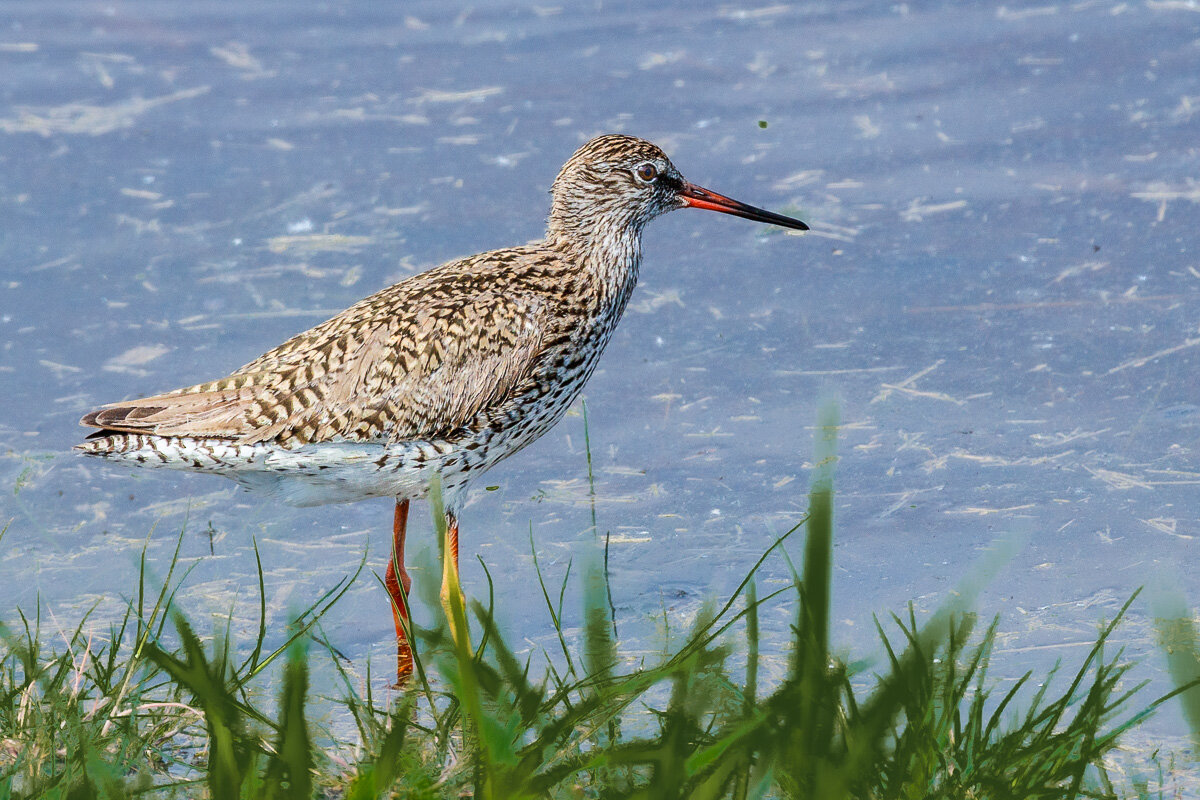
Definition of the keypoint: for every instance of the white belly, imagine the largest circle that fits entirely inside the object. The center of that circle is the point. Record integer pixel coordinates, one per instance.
(312, 474)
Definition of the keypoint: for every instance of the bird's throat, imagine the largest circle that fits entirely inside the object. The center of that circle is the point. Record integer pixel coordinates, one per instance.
(608, 257)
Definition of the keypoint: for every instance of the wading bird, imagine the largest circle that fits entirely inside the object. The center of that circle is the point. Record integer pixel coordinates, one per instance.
(443, 374)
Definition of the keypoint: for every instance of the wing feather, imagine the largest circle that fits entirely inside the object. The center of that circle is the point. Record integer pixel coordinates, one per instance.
(420, 359)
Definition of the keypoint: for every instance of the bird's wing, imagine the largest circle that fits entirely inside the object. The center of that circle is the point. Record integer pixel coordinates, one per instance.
(420, 359)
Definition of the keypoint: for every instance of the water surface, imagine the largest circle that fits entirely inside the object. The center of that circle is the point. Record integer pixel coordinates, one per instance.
(1001, 287)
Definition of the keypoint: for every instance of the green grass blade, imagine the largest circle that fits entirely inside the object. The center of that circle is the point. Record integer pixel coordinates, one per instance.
(252, 661)
(555, 617)
(818, 546)
(599, 646)
(587, 449)
(229, 754)
(306, 620)
(1179, 639)
(289, 767)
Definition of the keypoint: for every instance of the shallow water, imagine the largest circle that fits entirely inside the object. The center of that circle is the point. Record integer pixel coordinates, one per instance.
(1000, 288)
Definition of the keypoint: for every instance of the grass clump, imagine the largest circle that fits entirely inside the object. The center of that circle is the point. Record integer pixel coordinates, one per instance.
(139, 715)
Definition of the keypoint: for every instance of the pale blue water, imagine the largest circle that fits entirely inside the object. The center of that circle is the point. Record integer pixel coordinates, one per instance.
(1001, 287)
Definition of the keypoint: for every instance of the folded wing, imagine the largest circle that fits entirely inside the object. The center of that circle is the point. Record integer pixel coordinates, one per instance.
(421, 359)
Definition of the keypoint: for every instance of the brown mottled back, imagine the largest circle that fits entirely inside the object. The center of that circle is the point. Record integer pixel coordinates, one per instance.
(417, 360)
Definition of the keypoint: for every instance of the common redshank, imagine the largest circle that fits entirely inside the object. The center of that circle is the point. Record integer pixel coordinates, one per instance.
(443, 374)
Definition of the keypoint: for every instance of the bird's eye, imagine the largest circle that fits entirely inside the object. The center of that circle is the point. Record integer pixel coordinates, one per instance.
(647, 172)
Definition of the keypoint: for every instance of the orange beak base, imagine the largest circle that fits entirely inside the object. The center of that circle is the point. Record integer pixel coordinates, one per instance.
(698, 197)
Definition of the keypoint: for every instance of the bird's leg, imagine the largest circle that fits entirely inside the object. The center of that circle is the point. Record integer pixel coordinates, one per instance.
(452, 538)
(452, 598)
(398, 583)
(451, 558)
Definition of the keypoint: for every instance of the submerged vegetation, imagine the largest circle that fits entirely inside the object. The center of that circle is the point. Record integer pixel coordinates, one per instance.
(153, 710)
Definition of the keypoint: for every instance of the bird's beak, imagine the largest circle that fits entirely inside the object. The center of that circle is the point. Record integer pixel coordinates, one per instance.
(698, 197)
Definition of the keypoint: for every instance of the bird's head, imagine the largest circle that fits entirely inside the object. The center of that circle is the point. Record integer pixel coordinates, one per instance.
(623, 182)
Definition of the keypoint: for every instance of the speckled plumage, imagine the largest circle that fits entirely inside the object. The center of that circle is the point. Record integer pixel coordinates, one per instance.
(443, 374)
(488, 350)
(450, 370)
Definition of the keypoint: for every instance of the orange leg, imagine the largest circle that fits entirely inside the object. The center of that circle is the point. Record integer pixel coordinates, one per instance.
(452, 537)
(452, 599)
(398, 583)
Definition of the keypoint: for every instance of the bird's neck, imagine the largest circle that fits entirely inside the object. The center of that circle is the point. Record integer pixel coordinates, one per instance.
(609, 252)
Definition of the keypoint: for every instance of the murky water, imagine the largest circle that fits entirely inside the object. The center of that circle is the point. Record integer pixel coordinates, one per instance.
(1001, 287)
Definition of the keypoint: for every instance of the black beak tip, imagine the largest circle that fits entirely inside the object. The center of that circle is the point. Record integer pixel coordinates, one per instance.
(784, 222)
(698, 197)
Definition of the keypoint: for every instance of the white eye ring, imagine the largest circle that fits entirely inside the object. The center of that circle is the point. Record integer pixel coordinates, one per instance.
(646, 173)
